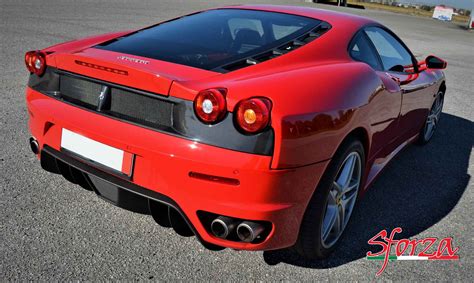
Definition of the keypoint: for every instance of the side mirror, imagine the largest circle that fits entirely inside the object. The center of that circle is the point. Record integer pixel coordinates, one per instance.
(433, 62)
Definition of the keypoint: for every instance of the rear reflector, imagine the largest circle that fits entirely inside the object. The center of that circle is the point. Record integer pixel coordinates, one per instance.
(217, 179)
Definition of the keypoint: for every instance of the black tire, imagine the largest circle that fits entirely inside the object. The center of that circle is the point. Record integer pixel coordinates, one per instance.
(309, 244)
(422, 137)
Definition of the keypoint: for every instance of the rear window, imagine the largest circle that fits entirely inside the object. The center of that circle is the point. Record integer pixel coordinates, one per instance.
(213, 38)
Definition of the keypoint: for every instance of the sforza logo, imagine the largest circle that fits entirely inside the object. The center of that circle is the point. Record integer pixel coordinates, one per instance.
(410, 249)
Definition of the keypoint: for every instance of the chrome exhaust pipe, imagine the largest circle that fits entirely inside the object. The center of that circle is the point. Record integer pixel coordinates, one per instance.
(34, 145)
(222, 226)
(248, 231)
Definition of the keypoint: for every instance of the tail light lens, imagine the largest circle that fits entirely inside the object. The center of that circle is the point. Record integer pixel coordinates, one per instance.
(210, 105)
(35, 62)
(253, 115)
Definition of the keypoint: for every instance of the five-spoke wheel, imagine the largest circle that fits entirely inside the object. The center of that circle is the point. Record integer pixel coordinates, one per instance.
(432, 120)
(341, 199)
(333, 202)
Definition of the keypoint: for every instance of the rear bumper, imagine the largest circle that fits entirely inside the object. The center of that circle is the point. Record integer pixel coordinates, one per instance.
(163, 163)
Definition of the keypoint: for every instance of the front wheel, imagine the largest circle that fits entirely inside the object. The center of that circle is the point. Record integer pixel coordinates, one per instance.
(333, 202)
(432, 120)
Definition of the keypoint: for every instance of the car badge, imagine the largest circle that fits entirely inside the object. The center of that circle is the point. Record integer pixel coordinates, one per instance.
(134, 60)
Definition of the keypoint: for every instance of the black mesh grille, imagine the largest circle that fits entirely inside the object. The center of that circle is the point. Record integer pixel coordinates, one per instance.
(139, 108)
(80, 92)
(125, 105)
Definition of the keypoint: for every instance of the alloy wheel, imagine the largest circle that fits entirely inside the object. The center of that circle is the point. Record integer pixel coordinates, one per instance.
(433, 117)
(341, 199)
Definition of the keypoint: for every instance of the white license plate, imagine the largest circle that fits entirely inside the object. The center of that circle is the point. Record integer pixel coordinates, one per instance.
(95, 151)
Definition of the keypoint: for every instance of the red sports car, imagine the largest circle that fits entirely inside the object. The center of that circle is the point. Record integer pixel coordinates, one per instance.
(251, 127)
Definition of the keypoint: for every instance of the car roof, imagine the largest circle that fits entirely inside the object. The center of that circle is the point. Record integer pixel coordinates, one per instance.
(336, 19)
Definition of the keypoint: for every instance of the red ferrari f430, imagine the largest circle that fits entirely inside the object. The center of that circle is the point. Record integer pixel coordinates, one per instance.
(251, 127)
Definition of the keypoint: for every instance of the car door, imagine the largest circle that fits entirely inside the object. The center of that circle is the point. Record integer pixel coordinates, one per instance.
(399, 64)
(384, 105)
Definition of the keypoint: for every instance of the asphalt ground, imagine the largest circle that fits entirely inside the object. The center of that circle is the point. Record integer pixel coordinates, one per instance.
(53, 230)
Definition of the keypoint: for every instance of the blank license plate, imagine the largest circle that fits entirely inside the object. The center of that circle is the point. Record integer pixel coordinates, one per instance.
(95, 151)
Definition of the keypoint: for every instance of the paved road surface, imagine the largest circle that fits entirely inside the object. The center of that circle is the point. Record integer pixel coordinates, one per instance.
(50, 229)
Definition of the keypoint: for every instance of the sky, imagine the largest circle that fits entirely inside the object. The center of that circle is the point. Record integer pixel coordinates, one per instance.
(464, 4)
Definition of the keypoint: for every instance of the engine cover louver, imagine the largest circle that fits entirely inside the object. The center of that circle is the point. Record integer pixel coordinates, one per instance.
(306, 38)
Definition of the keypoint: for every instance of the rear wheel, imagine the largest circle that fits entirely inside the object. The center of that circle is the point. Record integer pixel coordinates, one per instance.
(333, 202)
(432, 120)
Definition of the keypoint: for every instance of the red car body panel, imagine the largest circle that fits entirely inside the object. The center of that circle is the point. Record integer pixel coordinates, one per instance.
(322, 96)
(163, 163)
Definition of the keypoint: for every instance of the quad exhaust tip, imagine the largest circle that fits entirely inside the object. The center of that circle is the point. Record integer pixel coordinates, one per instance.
(34, 145)
(248, 231)
(222, 226)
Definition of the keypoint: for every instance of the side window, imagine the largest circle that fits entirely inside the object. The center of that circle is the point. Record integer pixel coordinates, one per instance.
(393, 54)
(360, 50)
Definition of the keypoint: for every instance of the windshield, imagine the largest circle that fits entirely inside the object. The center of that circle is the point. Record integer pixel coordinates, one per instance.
(213, 38)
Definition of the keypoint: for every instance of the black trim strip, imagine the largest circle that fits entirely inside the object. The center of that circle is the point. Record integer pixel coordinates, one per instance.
(184, 123)
(114, 85)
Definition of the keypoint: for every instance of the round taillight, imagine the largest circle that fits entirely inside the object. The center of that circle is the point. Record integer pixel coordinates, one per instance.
(35, 62)
(253, 115)
(210, 105)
